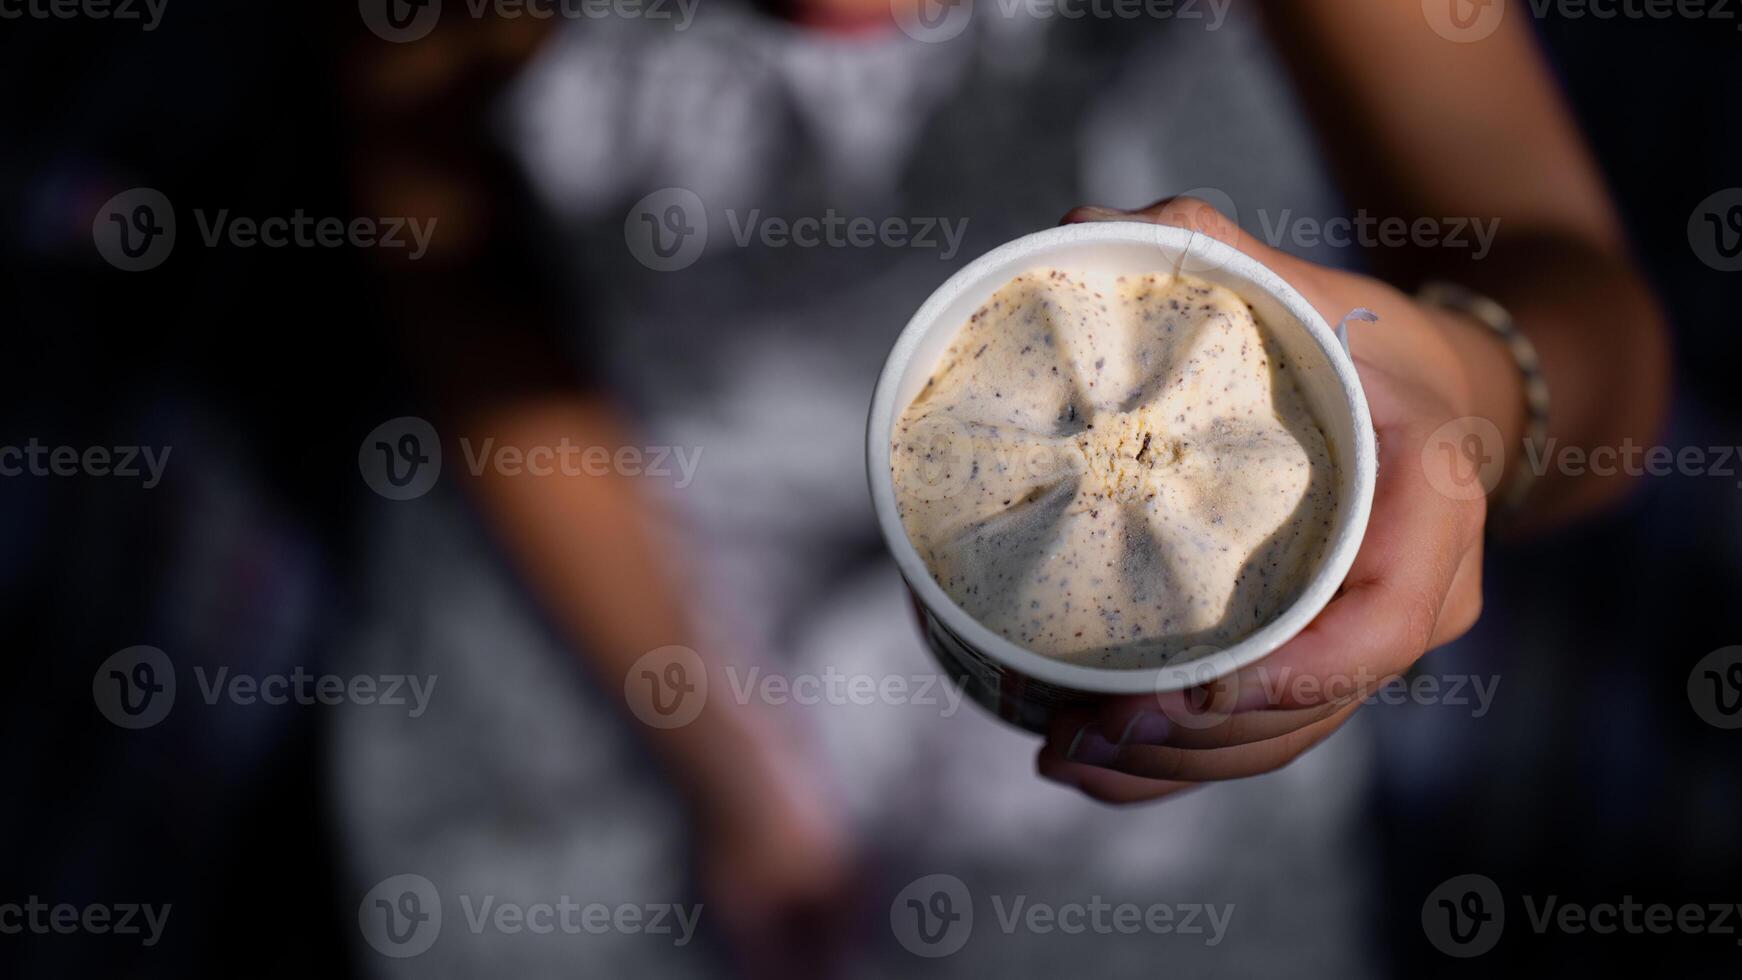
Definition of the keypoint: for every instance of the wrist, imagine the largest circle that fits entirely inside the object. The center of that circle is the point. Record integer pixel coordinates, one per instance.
(1493, 386)
(1491, 377)
(728, 764)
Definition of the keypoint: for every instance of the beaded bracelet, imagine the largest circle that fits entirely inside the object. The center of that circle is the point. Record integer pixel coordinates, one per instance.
(1451, 296)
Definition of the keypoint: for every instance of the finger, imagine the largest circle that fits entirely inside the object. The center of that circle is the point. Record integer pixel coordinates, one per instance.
(1203, 218)
(1153, 720)
(1171, 764)
(1389, 609)
(1327, 290)
(1463, 605)
(1160, 720)
(1104, 784)
(1200, 718)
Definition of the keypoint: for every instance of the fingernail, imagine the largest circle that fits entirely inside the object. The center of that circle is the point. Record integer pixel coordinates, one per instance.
(1090, 747)
(1146, 728)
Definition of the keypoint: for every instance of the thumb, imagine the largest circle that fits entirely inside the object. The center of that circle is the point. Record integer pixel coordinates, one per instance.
(1202, 217)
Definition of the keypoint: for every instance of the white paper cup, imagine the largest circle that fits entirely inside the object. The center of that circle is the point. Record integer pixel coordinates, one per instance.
(1024, 687)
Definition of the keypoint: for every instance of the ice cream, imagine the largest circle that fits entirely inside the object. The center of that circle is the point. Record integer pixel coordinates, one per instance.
(1114, 472)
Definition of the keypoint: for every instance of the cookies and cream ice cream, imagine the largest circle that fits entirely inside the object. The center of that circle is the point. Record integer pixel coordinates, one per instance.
(1114, 471)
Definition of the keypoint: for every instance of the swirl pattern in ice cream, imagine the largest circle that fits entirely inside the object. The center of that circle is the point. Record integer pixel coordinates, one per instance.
(1115, 472)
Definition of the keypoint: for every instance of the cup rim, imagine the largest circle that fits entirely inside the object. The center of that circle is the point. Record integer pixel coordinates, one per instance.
(1176, 241)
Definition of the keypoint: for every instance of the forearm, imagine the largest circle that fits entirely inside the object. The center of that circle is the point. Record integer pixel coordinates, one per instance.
(1604, 353)
(1420, 127)
(479, 325)
(587, 547)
